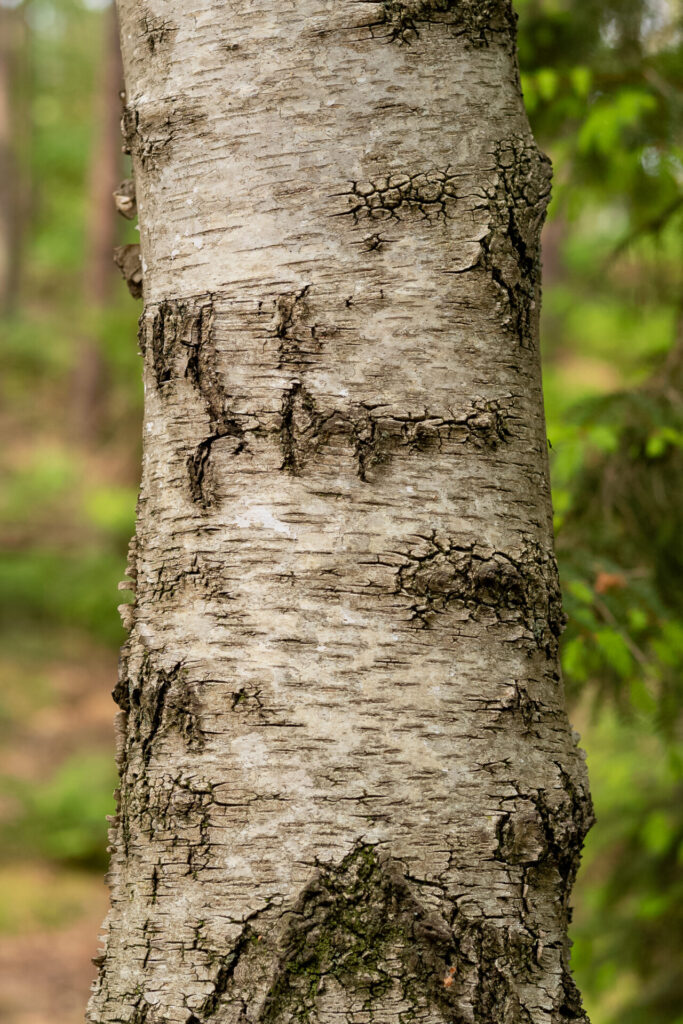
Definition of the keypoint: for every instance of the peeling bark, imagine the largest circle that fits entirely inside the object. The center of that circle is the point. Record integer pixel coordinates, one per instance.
(349, 790)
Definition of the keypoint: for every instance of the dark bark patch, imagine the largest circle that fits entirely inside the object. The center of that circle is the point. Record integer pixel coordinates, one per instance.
(430, 194)
(159, 700)
(178, 810)
(363, 925)
(202, 371)
(511, 249)
(149, 131)
(176, 333)
(199, 462)
(528, 712)
(375, 243)
(180, 338)
(547, 827)
(521, 835)
(523, 588)
(225, 975)
(542, 834)
(174, 577)
(350, 924)
(375, 438)
(139, 1015)
(568, 1005)
(568, 816)
(478, 22)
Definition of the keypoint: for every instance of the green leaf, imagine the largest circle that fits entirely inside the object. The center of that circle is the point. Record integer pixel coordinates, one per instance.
(581, 78)
(111, 509)
(615, 650)
(658, 832)
(581, 591)
(547, 82)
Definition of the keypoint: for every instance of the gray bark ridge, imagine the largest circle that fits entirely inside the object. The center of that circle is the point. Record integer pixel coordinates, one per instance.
(349, 790)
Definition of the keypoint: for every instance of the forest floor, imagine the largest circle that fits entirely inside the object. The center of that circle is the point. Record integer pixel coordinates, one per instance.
(51, 909)
(52, 967)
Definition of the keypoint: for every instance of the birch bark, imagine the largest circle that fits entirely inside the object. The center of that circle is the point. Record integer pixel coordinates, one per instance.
(349, 790)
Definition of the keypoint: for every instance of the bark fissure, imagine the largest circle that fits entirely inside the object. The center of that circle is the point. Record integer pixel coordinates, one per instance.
(290, 312)
(359, 939)
(226, 972)
(348, 924)
(181, 347)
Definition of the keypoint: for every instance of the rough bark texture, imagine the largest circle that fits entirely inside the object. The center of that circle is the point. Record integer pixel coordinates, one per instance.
(349, 790)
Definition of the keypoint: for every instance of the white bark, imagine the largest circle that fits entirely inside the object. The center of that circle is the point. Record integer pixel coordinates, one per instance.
(349, 791)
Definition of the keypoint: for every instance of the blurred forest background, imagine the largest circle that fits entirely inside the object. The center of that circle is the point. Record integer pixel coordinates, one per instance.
(603, 85)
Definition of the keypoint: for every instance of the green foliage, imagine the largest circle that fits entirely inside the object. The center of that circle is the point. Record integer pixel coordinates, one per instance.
(602, 82)
(35, 896)
(65, 40)
(63, 818)
(110, 509)
(632, 883)
(45, 587)
(43, 479)
(32, 350)
(622, 560)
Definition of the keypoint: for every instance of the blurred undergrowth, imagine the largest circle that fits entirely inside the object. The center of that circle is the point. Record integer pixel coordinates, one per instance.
(602, 82)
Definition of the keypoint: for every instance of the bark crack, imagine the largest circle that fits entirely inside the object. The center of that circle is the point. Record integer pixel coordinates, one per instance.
(432, 194)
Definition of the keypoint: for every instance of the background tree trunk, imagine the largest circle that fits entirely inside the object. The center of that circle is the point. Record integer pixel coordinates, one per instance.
(349, 791)
(101, 232)
(12, 191)
(105, 170)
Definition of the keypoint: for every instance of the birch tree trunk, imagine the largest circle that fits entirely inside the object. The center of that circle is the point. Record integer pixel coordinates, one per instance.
(349, 790)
